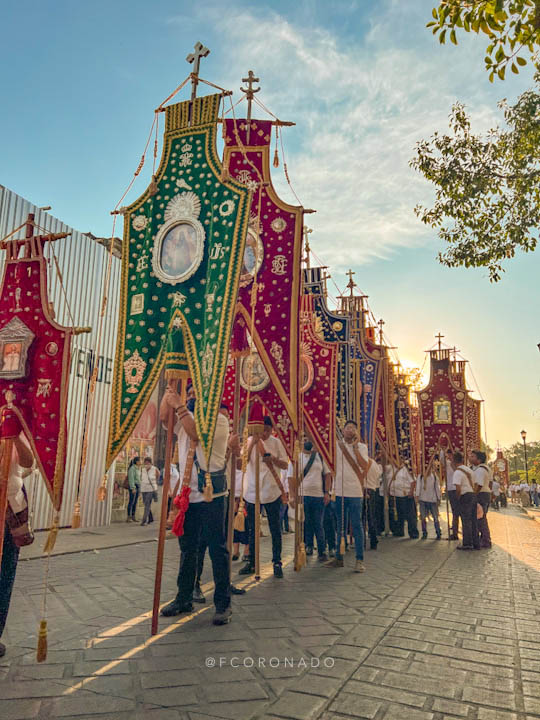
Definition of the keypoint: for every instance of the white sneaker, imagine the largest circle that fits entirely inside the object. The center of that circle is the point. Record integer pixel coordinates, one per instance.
(359, 567)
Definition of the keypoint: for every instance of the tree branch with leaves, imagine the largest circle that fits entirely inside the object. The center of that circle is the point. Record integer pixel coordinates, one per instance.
(512, 28)
(487, 202)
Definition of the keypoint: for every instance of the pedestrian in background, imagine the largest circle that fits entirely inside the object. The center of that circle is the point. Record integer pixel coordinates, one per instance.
(134, 480)
(149, 486)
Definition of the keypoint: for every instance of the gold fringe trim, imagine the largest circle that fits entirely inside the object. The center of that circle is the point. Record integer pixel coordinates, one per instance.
(174, 374)
(41, 654)
(76, 517)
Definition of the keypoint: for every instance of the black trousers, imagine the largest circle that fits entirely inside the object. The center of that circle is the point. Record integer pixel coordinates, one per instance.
(205, 520)
(406, 513)
(272, 513)
(372, 496)
(454, 504)
(329, 525)
(10, 558)
(379, 512)
(484, 499)
(467, 513)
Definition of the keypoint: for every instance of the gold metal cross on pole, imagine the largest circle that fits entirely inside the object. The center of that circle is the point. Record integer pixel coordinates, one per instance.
(249, 93)
(195, 57)
(351, 284)
(307, 247)
(439, 338)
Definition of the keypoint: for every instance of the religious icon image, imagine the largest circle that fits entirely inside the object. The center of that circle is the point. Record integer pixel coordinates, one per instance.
(179, 250)
(11, 356)
(442, 412)
(253, 257)
(253, 375)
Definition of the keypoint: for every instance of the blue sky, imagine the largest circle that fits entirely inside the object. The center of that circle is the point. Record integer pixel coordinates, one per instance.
(362, 80)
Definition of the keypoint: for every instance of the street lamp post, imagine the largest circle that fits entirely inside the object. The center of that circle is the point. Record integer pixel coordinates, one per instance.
(524, 437)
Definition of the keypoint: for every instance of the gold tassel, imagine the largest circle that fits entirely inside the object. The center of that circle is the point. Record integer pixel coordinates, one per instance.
(208, 489)
(76, 518)
(51, 539)
(240, 519)
(342, 546)
(102, 490)
(153, 188)
(276, 158)
(42, 642)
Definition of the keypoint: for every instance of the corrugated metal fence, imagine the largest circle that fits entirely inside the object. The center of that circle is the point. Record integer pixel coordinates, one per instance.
(83, 264)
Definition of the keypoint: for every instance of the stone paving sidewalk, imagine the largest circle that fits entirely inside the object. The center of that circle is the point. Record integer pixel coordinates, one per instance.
(427, 633)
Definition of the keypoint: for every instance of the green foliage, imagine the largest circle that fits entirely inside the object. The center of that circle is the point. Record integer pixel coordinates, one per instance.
(516, 461)
(487, 201)
(512, 28)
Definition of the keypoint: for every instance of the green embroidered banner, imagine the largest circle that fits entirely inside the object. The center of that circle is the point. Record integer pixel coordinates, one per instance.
(182, 255)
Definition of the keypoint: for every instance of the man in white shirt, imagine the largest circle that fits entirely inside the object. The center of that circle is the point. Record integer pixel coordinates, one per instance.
(403, 489)
(373, 482)
(17, 503)
(429, 495)
(149, 486)
(451, 490)
(464, 482)
(202, 518)
(272, 459)
(496, 493)
(350, 477)
(482, 487)
(315, 483)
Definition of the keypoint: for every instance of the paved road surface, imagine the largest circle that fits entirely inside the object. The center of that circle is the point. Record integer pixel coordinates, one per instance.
(427, 633)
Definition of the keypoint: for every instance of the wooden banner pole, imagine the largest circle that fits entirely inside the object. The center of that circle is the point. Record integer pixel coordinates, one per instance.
(6, 446)
(164, 499)
(257, 513)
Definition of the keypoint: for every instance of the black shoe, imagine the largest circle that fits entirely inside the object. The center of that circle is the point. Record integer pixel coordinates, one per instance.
(454, 537)
(2, 649)
(424, 536)
(323, 557)
(309, 551)
(198, 596)
(248, 569)
(143, 524)
(278, 572)
(174, 608)
(222, 617)
(414, 537)
(465, 547)
(373, 547)
(439, 536)
(237, 591)
(235, 558)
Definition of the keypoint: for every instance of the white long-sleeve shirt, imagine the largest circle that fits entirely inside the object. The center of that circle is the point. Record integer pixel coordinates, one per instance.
(428, 489)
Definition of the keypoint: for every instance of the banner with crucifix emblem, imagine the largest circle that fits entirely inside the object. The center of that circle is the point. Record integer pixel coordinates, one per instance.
(182, 257)
(271, 264)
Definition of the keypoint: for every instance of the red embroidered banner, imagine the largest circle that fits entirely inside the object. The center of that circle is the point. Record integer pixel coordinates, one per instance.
(442, 409)
(319, 368)
(272, 254)
(34, 358)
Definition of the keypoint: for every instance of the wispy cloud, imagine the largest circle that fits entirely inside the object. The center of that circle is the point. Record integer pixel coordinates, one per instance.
(359, 109)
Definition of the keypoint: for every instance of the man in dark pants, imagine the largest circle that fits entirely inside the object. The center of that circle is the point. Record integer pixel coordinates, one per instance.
(482, 486)
(17, 503)
(452, 494)
(463, 480)
(404, 488)
(329, 526)
(373, 479)
(203, 520)
(272, 459)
